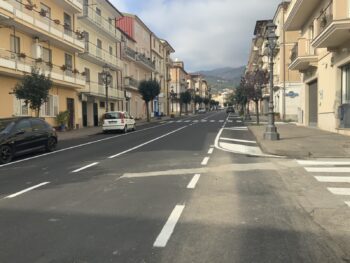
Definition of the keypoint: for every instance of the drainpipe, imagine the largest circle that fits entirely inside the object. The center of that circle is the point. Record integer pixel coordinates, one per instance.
(284, 69)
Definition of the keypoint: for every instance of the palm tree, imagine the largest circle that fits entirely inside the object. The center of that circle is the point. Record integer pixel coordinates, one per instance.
(149, 90)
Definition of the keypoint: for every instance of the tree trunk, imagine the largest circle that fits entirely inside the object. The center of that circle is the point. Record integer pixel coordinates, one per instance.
(147, 111)
(257, 112)
(37, 112)
(186, 108)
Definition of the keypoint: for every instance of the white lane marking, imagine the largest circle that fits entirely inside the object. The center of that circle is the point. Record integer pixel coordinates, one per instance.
(237, 129)
(187, 121)
(179, 121)
(322, 163)
(327, 169)
(237, 140)
(333, 179)
(85, 167)
(80, 145)
(221, 121)
(339, 191)
(251, 150)
(203, 120)
(171, 122)
(211, 150)
(348, 203)
(196, 121)
(169, 227)
(26, 190)
(148, 142)
(229, 121)
(205, 161)
(194, 181)
(212, 121)
(238, 121)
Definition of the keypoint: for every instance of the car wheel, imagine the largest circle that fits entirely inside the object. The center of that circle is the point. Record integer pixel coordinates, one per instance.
(134, 127)
(51, 144)
(125, 130)
(6, 154)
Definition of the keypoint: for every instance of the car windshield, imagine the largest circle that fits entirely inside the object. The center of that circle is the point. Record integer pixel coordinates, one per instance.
(112, 115)
(6, 126)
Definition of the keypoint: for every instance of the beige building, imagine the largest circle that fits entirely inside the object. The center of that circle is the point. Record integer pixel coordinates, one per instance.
(102, 49)
(42, 35)
(322, 55)
(167, 65)
(178, 85)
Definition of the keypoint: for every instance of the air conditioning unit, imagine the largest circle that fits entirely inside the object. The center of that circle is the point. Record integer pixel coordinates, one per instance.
(344, 116)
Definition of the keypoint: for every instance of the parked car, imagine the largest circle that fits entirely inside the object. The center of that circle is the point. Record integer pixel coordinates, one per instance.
(23, 135)
(230, 109)
(202, 110)
(118, 121)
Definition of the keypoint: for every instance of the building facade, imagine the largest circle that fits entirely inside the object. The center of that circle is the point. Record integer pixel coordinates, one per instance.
(178, 85)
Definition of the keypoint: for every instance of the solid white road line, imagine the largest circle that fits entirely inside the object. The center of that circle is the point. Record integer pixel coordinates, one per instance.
(348, 203)
(205, 161)
(339, 191)
(148, 142)
(194, 181)
(333, 179)
(211, 150)
(169, 227)
(85, 167)
(26, 190)
(327, 169)
(237, 129)
(237, 140)
(322, 163)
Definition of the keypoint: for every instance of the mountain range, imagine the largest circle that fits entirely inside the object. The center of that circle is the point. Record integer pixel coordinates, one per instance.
(223, 78)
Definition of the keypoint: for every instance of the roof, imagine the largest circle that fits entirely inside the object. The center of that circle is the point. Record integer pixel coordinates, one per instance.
(166, 44)
(259, 24)
(139, 20)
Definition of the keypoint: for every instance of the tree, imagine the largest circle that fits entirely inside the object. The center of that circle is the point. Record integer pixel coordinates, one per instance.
(34, 90)
(197, 100)
(185, 98)
(240, 96)
(206, 102)
(149, 90)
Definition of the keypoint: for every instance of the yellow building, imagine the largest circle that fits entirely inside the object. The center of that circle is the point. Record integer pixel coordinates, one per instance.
(42, 35)
(322, 55)
(178, 84)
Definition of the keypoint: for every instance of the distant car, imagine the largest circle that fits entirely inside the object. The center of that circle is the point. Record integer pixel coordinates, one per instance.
(23, 135)
(118, 121)
(202, 110)
(230, 109)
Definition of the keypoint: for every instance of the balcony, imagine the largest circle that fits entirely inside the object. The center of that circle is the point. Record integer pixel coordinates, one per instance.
(129, 53)
(333, 26)
(94, 19)
(147, 63)
(131, 83)
(97, 90)
(31, 22)
(100, 57)
(303, 55)
(299, 13)
(12, 64)
(74, 6)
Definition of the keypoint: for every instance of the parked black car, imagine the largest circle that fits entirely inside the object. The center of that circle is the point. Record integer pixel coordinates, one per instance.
(230, 109)
(24, 135)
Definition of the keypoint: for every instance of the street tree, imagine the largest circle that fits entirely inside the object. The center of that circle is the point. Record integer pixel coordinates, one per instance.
(185, 98)
(149, 90)
(33, 89)
(258, 79)
(197, 100)
(206, 102)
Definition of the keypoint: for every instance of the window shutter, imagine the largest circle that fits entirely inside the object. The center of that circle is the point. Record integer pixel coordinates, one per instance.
(55, 105)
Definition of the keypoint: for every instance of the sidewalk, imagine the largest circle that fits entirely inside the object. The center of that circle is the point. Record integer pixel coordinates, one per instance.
(303, 142)
(86, 132)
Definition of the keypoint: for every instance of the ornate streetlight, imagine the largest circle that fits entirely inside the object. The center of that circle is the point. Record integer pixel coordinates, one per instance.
(271, 130)
(107, 79)
(172, 96)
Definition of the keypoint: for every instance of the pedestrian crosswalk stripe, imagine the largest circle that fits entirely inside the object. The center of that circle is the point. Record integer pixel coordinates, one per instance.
(348, 203)
(221, 120)
(204, 120)
(322, 163)
(196, 121)
(179, 121)
(188, 121)
(212, 121)
(238, 121)
(229, 121)
(333, 179)
(339, 191)
(171, 121)
(327, 169)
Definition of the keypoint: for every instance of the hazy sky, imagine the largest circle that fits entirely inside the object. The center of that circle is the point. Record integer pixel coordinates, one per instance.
(206, 34)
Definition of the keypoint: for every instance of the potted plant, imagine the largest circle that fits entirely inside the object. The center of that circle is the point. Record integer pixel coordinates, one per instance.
(75, 71)
(43, 12)
(63, 67)
(22, 55)
(38, 60)
(62, 120)
(49, 64)
(324, 21)
(57, 21)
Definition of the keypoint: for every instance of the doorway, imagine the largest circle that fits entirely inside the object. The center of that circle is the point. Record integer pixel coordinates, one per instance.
(313, 104)
(95, 113)
(85, 117)
(70, 109)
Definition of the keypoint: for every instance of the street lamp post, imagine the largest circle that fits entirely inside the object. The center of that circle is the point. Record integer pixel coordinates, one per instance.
(172, 96)
(107, 79)
(271, 130)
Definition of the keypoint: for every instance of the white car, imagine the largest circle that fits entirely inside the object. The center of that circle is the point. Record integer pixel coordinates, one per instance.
(118, 121)
(202, 110)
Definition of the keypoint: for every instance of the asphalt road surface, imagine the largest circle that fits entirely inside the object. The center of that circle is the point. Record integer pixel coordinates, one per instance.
(176, 191)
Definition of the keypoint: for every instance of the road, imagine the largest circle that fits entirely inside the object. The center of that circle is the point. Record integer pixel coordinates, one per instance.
(175, 191)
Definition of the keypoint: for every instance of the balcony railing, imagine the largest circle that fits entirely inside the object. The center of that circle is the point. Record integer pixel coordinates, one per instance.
(108, 26)
(130, 53)
(294, 52)
(101, 56)
(72, 5)
(131, 82)
(325, 18)
(112, 92)
(39, 23)
(146, 61)
(21, 64)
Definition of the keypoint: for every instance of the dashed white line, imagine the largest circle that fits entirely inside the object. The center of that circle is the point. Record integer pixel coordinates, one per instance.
(26, 190)
(194, 181)
(327, 169)
(205, 161)
(212, 121)
(211, 150)
(169, 227)
(221, 121)
(333, 179)
(339, 191)
(85, 167)
(348, 203)
(321, 163)
(148, 142)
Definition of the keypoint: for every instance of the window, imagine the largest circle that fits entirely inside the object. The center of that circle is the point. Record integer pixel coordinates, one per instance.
(68, 61)
(38, 125)
(15, 44)
(99, 48)
(111, 50)
(24, 125)
(50, 108)
(112, 107)
(45, 9)
(87, 75)
(67, 24)
(346, 84)
(46, 55)
(20, 108)
(102, 104)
